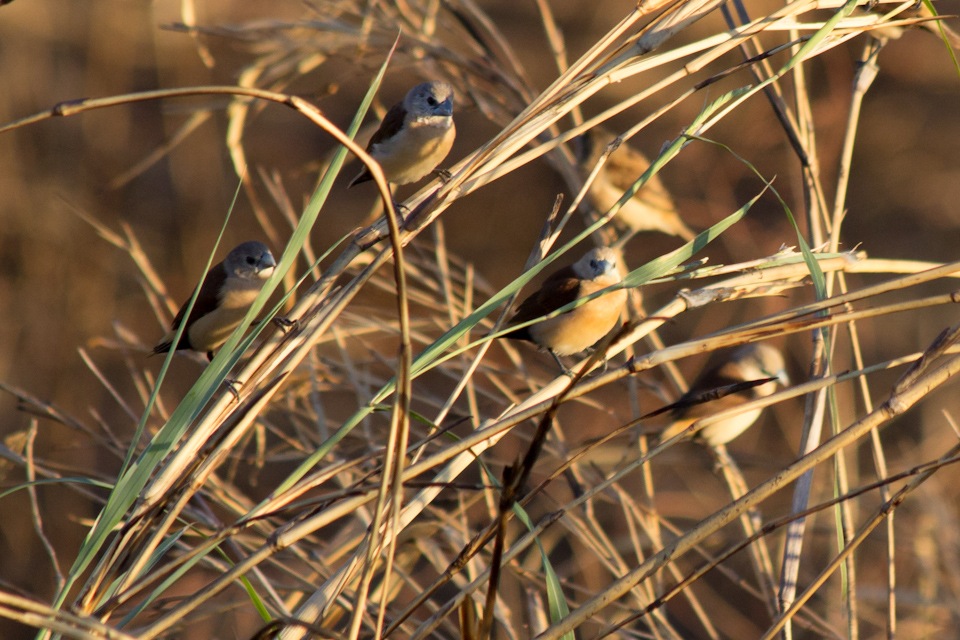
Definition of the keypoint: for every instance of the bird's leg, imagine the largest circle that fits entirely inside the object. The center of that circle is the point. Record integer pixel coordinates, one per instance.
(721, 459)
(285, 324)
(231, 386)
(601, 360)
(563, 367)
(397, 205)
(443, 174)
(401, 209)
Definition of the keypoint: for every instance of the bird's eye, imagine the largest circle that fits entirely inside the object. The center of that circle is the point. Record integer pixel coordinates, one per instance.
(251, 260)
(431, 101)
(594, 265)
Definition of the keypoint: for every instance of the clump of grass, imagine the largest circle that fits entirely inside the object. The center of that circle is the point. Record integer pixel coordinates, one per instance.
(391, 469)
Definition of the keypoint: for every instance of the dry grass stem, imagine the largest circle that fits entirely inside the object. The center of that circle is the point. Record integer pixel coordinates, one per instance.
(386, 463)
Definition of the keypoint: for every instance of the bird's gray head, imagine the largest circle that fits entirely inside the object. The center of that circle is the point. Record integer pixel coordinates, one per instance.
(250, 260)
(430, 99)
(767, 360)
(601, 261)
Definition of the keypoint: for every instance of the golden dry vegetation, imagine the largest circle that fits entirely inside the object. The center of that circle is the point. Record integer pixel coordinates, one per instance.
(324, 495)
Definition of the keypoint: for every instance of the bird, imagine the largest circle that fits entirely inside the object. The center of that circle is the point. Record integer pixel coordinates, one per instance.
(920, 10)
(748, 363)
(415, 135)
(226, 293)
(582, 327)
(650, 209)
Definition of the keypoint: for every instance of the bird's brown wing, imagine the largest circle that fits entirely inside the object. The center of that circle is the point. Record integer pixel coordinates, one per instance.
(392, 123)
(207, 301)
(560, 289)
(701, 398)
(625, 165)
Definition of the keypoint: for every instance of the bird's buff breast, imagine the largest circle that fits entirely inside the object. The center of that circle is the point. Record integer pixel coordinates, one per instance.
(726, 430)
(645, 211)
(410, 156)
(213, 329)
(581, 328)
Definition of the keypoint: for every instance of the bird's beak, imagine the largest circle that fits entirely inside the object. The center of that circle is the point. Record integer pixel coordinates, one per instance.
(267, 265)
(445, 108)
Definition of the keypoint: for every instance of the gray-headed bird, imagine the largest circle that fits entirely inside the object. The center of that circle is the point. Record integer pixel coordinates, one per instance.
(650, 209)
(582, 327)
(917, 11)
(415, 135)
(226, 293)
(749, 363)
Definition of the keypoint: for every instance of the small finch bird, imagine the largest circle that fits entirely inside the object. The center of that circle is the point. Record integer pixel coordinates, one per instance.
(751, 362)
(650, 209)
(226, 293)
(415, 135)
(582, 327)
(919, 10)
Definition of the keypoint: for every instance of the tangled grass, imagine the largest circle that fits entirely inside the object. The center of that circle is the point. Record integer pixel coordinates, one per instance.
(390, 469)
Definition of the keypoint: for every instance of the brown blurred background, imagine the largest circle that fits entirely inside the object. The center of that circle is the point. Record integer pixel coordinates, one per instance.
(62, 288)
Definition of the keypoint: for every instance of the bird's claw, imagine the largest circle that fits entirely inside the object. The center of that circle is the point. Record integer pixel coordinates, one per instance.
(286, 324)
(232, 388)
(566, 370)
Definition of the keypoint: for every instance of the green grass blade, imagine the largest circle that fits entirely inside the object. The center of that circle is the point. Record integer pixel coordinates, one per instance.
(437, 350)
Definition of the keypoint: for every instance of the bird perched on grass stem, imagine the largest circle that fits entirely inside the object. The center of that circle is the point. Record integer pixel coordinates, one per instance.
(226, 293)
(415, 135)
(650, 209)
(928, 22)
(582, 327)
(749, 363)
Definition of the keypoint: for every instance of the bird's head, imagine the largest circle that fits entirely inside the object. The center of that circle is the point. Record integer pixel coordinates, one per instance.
(430, 99)
(598, 262)
(250, 260)
(762, 361)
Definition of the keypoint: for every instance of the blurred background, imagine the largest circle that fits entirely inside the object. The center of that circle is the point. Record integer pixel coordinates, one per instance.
(65, 290)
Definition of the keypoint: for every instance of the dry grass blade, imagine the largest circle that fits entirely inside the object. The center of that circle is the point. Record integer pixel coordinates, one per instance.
(896, 404)
(389, 467)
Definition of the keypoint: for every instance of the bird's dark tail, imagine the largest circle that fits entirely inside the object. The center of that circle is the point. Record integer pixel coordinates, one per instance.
(163, 347)
(363, 176)
(522, 333)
